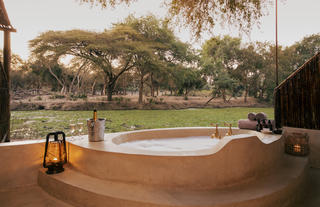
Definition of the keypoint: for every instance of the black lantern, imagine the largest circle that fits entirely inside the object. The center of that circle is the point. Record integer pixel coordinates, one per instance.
(55, 154)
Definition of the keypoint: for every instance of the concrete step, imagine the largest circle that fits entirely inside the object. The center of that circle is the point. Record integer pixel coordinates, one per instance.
(29, 196)
(280, 189)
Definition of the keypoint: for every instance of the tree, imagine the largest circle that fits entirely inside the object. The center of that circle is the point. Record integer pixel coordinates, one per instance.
(111, 51)
(262, 82)
(204, 15)
(159, 51)
(219, 59)
(306, 48)
(225, 86)
(249, 66)
(17, 70)
(187, 79)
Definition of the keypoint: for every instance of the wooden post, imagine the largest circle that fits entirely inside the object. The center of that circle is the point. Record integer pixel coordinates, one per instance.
(277, 62)
(5, 90)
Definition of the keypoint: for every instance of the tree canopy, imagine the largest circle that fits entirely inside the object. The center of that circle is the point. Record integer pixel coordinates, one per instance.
(204, 15)
(145, 45)
(110, 51)
(166, 54)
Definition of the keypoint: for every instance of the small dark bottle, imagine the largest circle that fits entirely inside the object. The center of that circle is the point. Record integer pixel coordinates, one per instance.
(270, 125)
(264, 124)
(259, 126)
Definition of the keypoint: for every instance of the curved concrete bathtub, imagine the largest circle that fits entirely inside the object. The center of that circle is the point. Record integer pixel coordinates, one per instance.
(233, 160)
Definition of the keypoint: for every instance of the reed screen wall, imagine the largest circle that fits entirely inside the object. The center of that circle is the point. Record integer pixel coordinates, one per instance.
(297, 99)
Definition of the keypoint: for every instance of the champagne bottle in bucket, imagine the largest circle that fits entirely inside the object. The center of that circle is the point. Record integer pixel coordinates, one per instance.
(95, 115)
(96, 128)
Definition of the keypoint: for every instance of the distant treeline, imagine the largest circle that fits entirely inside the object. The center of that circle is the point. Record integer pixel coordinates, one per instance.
(140, 55)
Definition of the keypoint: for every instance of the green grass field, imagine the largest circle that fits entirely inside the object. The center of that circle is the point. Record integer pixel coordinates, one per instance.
(36, 124)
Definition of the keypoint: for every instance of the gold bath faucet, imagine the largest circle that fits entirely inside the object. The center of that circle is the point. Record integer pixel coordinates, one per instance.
(216, 134)
(229, 133)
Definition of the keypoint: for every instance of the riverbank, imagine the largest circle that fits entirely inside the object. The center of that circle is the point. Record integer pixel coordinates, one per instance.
(128, 102)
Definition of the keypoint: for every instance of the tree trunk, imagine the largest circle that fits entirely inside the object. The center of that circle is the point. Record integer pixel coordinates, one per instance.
(63, 91)
(186, 94)
(93, 88)
(261, 94)
(110, 89)
(103, 92)
(224, 96)
(151, 85)
(141, 90)
(246, 93)
(5, 90)
(213, 97)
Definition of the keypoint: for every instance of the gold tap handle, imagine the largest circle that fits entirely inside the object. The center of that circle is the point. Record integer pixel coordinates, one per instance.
(229, 133)
(216, 134)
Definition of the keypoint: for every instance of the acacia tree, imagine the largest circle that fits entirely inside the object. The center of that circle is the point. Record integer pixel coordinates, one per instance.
(159, 52)
(148, 60)
(111, 51)
(204, 15)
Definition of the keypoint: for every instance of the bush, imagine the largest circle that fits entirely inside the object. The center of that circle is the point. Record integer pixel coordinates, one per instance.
(57, 96)
(82, 96)
(150, 100)
(155, 100)
(118, 99)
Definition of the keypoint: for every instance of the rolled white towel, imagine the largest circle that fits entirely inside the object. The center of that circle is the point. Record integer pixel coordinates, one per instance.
(247, 124)
(252, 116)
(261, 116)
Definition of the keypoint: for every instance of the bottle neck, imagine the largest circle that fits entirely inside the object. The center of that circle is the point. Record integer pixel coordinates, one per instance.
(94, 115)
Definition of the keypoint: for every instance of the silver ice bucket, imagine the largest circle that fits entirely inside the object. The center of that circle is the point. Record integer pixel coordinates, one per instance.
(96, 129)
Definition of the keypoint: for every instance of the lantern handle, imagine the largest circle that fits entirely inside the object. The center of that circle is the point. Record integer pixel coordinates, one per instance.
(57, 135)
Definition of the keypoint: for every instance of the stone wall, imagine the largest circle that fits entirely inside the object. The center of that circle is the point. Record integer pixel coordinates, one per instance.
(20, 163)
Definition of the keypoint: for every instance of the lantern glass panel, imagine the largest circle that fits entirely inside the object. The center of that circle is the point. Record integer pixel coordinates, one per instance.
(297, 148)
(55, 152)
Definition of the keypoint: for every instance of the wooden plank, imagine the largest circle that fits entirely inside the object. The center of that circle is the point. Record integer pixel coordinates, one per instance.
(297, 99)
(277, 109)
(5, 90)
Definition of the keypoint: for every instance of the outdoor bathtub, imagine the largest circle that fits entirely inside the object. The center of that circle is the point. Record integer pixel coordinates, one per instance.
(232, 160)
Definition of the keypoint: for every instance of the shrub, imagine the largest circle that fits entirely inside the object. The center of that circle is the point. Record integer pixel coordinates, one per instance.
(118, 99)
(82, 96)
(57, 96)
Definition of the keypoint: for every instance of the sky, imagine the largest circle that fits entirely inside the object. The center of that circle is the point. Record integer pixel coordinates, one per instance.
(297, 19)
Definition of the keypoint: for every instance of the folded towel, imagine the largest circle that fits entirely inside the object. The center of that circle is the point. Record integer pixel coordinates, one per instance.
(247, 124)
(261, 116)
(252, 116)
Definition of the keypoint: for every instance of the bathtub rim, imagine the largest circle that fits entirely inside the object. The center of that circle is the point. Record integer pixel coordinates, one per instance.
(110, 141)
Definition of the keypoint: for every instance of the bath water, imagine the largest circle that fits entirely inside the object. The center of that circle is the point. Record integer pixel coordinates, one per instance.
(173, 144)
